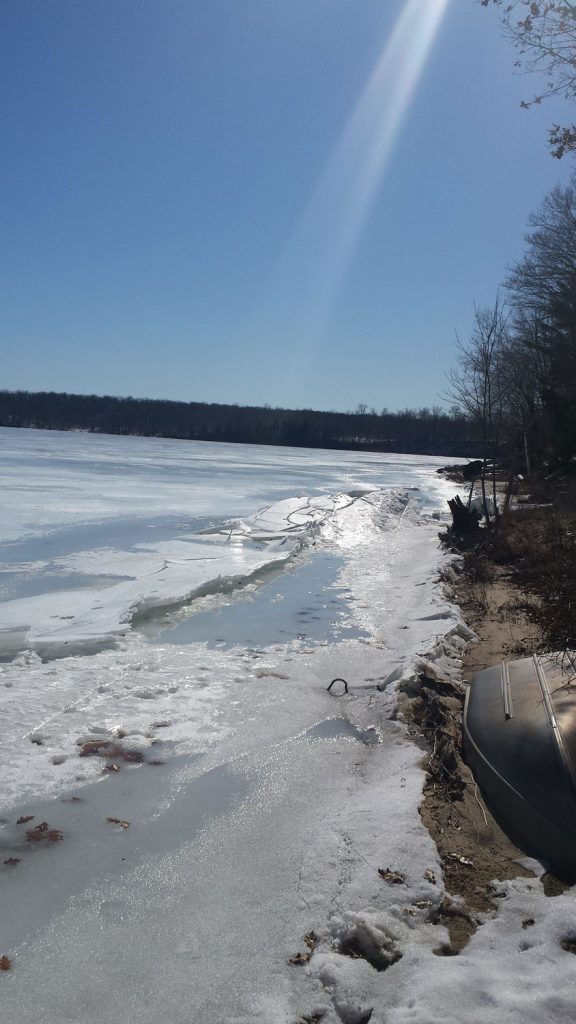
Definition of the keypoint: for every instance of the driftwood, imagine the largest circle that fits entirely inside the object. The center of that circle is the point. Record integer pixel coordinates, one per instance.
(464, 518)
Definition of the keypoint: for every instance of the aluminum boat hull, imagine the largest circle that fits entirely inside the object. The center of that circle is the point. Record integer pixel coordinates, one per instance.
(520, 741)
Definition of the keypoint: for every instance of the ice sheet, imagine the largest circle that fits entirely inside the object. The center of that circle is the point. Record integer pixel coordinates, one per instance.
(275, 802)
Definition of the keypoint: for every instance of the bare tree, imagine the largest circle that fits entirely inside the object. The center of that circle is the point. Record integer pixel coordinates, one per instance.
(542, 293)
(524, 368)
(476, 388)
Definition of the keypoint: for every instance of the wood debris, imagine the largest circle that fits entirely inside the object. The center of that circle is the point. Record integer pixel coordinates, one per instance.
(12, 861)
(24, 818)
(118, 821)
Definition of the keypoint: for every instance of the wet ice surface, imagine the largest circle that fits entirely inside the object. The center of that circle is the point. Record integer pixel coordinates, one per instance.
(126, 533)
(105, 534)
(341, 728)
(304, 602)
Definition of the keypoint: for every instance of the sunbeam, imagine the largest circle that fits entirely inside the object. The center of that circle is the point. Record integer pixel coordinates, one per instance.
(323, 244)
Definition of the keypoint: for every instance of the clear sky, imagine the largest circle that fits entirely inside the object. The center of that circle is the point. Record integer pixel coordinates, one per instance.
(294, 202)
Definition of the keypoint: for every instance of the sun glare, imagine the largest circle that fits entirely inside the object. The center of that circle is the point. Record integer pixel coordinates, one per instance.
(322, 247)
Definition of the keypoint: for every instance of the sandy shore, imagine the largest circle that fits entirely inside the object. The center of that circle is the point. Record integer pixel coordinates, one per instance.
(475, 852)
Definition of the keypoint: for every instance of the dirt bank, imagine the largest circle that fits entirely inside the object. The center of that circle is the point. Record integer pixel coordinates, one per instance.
(475, 852)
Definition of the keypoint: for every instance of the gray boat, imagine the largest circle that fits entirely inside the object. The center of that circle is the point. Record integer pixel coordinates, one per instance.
(520, 741)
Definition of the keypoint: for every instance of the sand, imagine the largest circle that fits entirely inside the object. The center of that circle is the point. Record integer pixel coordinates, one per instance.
(475, 852)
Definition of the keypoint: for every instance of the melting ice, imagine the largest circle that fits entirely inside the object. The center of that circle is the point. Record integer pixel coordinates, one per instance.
(185, 606)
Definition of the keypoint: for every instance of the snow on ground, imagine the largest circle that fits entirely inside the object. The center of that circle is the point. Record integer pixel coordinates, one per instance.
(265, 805)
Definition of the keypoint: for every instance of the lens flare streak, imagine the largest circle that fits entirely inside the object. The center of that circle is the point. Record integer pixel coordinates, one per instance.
(322, 247)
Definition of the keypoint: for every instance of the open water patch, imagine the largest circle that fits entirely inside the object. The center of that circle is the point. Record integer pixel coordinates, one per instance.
(303, 602)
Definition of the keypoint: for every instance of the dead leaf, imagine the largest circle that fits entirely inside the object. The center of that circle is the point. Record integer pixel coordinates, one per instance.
(430, 876)
(311, 940)
(111, 767)
(44, 832)
(118, 821)
(5, 963)
(24, 818)
(395, 877)
(299, 959)
(12, 861)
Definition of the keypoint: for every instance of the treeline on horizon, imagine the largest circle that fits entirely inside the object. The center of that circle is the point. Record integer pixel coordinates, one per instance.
(423, 431)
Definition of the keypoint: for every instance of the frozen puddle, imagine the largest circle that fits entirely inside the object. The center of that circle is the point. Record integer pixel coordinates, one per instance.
(341, 728)
(302, 603)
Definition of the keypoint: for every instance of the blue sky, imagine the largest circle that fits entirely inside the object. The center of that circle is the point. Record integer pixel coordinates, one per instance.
(194, 205)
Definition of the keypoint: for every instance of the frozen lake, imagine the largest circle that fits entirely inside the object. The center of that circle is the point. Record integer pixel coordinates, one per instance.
(172, 614)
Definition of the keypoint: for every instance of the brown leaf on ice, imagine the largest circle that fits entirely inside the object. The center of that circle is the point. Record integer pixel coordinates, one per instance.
(24, 818)
(43, 832)
(430, 876)
(118, 821)
(5, 963)
(395, 877)
(12, 861)
(311, 940)
(111, 767)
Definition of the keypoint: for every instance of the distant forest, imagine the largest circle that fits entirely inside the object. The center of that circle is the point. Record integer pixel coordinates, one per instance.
(423, 431)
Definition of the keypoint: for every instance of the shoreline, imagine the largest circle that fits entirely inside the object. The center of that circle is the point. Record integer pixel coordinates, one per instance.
(475, 852)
